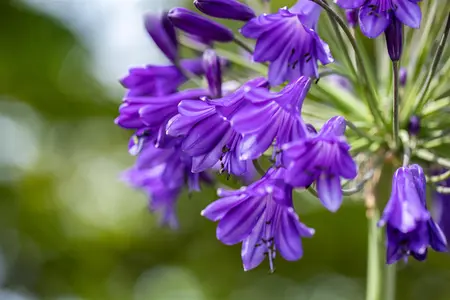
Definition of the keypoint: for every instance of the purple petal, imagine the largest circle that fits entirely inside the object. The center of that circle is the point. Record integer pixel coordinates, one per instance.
(373, 23)
(408, 13)
(287, 237)
(216, 210)
(350, 4)
(330, 193)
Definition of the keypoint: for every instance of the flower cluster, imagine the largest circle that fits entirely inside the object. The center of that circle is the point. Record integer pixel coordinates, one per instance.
(211, 114)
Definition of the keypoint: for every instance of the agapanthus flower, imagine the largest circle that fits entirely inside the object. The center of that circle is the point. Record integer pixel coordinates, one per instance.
(195, 24)
(162, 173)
(262, 217)
(163, 34)
(287, 40)
(376, 15)
(414, 125)
(153, 80)
(323, 158)
(409, 226)
(441, 208)
(226, 9)
(268, 116)
(137, 112)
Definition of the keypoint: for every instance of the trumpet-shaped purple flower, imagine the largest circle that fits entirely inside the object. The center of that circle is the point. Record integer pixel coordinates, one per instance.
(441, 208)
(208, 137)
(163, 34)
(262, 217)
(286, 41)
(323, 158)
(195, 24)
(376, 15)
(137, 112)
(226, 9)
(409, 226)
(267, 116)
(154, 80)
(162, 173)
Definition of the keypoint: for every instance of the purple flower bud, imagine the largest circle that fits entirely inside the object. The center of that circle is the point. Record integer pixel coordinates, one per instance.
(403, 76)
(196, 24)
(226, 9)
(352, 17)
(213, 72)
(414, 125)
(163, 34)
(394, 39)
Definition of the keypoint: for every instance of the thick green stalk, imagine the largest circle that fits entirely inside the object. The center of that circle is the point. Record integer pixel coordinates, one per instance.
(390, 282)
(373, 291)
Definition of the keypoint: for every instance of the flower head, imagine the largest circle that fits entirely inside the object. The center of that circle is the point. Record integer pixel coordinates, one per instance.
(409, 226)
(198, 25)
(226, 9)
(323, 158)
(291, 47)
(376, 15)
(262, 217)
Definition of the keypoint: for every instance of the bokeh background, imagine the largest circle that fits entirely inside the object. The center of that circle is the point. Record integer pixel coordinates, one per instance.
(69, 229)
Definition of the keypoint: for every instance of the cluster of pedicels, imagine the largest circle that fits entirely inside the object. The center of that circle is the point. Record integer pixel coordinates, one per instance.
(183, 135)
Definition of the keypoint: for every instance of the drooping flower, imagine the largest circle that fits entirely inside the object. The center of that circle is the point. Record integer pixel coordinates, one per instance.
(286, 41)
(262, 217)
(267, 116)
(441, 208)
(409, 226)
(376, 15)
(323, 158)
(162, 173)
(152, 80)
(195, 24)
(163, 34)
(226, 9)
(137, 112)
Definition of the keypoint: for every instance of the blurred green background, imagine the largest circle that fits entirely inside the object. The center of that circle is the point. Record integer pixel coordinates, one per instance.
(69, 229)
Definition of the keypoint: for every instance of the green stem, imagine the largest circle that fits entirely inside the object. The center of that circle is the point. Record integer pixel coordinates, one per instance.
(372, 102)
(422, 100)
(439, 178)
(358, 131)
(373, 262)
(238, 41)
(390, 282)
(395, 106)
(431, 157)
(258, 167)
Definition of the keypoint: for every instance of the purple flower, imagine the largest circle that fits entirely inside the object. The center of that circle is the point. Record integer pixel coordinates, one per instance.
(162, 174)
(198, 25)
(154, 80)
(137, 112)
(291, 47)
(163, 34)
(441, 208)
(409, 226)
(414, 125)
(403, 76)
(208, 137)
(213, 72)
(262, 217)
(376, 15)
(308, 12)
(267, 116)
(226, 9)
(323, 158)
(394, 39)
